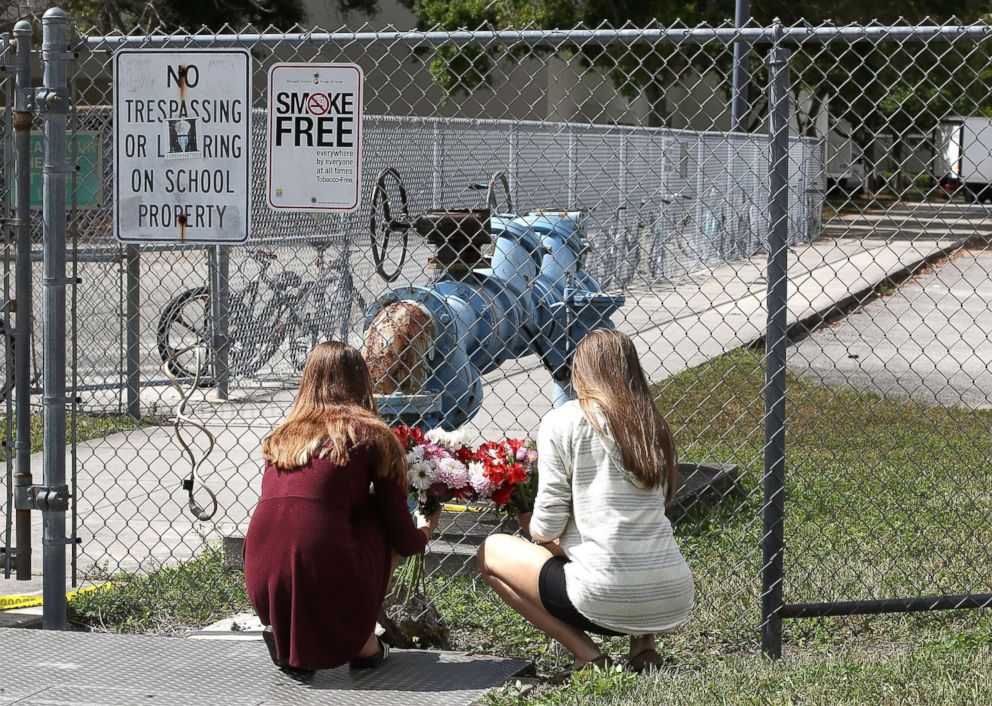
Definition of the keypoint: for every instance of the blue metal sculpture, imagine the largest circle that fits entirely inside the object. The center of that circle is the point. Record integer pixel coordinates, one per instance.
(428, 345)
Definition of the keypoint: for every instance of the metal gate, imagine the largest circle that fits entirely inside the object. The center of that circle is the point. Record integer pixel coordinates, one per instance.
(669, 211)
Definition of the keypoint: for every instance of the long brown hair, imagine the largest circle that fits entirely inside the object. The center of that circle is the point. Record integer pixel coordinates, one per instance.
(334, 411)
(607, 374)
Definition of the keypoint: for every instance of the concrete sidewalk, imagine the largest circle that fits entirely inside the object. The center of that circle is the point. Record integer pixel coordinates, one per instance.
(131, 508)
(710, 314)
(929, 341)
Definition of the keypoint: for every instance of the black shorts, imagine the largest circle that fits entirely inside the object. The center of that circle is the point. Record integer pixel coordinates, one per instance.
(551, 584)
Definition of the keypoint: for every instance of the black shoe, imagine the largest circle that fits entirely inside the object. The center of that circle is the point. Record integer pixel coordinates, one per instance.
(295, 672)
(373, 661)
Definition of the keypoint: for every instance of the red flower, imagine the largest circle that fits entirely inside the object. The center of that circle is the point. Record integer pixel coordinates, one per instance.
(516, 473)
(501, 496)
(409, 436)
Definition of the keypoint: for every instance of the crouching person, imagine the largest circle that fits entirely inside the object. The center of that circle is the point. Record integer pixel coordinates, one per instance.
(321, 548)
(603, 558)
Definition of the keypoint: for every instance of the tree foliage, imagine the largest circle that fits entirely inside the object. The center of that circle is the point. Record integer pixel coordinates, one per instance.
(906, 85)
(172, 15)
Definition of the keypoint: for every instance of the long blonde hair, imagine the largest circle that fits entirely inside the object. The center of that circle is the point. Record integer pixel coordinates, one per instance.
(607, 375)
(334, 411)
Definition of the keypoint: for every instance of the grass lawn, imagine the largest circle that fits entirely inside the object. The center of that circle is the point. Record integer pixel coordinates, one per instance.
(885, 499)
(88, 426)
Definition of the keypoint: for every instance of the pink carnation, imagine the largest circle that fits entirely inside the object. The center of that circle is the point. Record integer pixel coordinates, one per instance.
(451, 472)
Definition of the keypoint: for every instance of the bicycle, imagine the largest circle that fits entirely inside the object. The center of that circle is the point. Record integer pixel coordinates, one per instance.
(267, 312)
(670, 240)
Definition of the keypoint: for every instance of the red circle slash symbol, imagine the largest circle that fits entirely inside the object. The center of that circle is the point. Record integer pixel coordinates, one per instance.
(317, 104)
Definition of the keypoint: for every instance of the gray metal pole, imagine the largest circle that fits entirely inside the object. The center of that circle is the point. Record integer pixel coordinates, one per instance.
(740, 107)
(132, 283)
(220, 297)
(573, 170)
(23, 106)
(52, 499)
(776, 341)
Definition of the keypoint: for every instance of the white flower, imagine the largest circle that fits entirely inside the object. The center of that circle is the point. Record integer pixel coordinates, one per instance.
(448, 439)
(415, 455)
(482, 486)
(421, 475)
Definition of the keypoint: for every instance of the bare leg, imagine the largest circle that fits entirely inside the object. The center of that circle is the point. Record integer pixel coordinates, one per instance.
(639, 644)
(371, 646)
(511, 566)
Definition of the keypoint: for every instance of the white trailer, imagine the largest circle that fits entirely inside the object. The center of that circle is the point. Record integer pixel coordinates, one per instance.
(845, 166)
(963, 156)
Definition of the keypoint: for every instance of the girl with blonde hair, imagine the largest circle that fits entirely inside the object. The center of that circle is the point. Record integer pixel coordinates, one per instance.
(321, 546)
(604, 559)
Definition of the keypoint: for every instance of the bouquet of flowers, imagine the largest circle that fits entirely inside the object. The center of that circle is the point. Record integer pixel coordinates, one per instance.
(442, 468)
(436, 475)
(509, 466)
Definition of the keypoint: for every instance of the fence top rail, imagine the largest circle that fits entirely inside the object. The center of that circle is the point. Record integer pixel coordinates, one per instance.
(538, 37)
(553, 127)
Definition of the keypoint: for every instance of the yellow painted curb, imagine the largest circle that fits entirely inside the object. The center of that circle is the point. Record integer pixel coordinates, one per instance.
(461, 508)
(12, 602)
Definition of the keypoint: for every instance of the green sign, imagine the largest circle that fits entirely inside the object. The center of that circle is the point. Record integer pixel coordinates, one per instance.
(84, 184)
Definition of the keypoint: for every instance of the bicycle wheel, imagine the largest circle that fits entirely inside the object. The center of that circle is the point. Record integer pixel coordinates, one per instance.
(185, 326)
(344, 313)
(253, 330)
(302, 337)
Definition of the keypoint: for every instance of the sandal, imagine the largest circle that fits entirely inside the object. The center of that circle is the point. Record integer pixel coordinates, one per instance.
(646, 661)
(373, 661)
(295, 672)
(602, 663)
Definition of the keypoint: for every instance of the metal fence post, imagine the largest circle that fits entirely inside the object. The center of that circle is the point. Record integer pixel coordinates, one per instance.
(132, 283)
(53, 498)
(739, 107)
(23, 105)
(514, 166)
(22, 121)
(437, 173)
(773, 539)
(623, 169)
(220, 267)
(573, 168)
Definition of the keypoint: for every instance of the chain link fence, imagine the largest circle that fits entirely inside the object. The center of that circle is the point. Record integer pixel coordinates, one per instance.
(821, 355)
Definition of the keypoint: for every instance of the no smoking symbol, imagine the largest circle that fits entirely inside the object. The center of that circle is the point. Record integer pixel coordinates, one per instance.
(318, 104)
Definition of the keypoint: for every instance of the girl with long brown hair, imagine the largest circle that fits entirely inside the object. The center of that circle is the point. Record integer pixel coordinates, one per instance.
(604, 559)
(332, 520)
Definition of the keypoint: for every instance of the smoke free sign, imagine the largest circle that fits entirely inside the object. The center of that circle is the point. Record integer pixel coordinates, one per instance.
(314, 137)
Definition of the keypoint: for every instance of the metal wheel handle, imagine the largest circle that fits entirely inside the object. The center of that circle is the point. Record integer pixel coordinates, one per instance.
(381, 220)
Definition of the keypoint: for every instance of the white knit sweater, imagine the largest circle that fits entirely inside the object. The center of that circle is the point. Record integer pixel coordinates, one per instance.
(626, 571)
